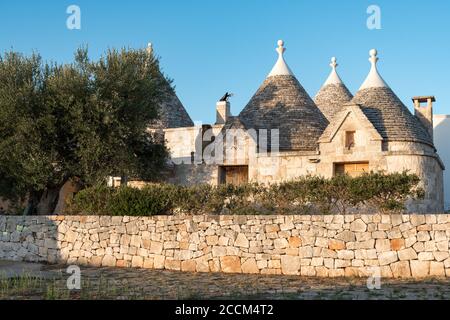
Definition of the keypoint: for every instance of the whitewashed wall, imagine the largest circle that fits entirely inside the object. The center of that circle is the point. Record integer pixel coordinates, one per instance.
(442, 142)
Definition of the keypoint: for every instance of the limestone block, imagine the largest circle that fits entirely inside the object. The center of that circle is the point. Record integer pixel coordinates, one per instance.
(447, 263)
(358, 226)
(321, 242)
(425, 256)
(407, 254)
(241, 241)
(336, 273)
(394, 234)
(262, 264)
(202, 264)
(223, 241)
(308, 240)
(212, 240)
(419, 246)
(386, 258)
(109, 261)
(290, 265)
(345, 254)
(156, 247)
(135, 241)
(336, 244)
(272, 228)
(442, 245)
(172, 264)
(230, 264)
(417, 220)
(440, 236)
(70, 236)
(437, 269)
(148, 263)
(137, 262)
(280, 243)
(396, 219)
(397, 244)
(219, 251)
(339, 263)
(306, 252)
(384, 226)
(317, 261)
(159, 261)
(294, 242)
(307, 271)
(368, 244)
(274, 264)
(287, 226)
(383, 245)
(322, 272)
(351, 272)
(409, 242)
(357, 263)
(328, 263)
(423, 236)
(379, 235)
(346, 236)
(214, 265)
(440, 256)
(250, 266)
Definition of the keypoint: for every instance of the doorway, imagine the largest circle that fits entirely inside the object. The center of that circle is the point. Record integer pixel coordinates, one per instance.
(235, 175)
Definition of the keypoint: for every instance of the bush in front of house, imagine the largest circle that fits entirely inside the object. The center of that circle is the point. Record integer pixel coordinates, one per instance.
(306, 195)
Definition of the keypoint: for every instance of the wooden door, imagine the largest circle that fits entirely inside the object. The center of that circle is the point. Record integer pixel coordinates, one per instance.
(235, 175)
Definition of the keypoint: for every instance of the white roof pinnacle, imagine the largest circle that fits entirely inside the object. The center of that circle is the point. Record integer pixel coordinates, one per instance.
(280, 68)
(333, 78)
(374, 79)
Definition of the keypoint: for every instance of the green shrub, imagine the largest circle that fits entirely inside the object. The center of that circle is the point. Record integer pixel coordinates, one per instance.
(306, 195)
(151, 200)
(387, 192)
(91, 201)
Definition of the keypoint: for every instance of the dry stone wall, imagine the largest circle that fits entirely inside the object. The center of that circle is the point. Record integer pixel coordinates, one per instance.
(325, 246)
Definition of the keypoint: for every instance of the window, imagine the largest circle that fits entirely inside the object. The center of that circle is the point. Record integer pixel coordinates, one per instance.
(349, 139)
(352, 169)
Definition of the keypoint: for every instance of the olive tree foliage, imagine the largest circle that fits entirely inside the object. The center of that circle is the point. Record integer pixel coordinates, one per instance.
(78, 122)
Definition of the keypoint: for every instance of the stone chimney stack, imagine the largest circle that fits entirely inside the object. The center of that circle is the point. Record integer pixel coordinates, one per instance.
(425, 112)
(222, 112)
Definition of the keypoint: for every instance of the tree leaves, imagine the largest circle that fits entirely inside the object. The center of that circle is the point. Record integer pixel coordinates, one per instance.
(87, 119)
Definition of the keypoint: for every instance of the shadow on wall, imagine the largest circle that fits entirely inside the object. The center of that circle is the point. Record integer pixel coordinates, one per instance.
(33, 240)
(441, 137)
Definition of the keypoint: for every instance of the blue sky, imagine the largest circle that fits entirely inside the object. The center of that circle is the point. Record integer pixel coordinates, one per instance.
(209, 47)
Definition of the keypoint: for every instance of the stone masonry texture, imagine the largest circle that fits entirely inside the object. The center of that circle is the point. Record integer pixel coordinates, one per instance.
(396, 246)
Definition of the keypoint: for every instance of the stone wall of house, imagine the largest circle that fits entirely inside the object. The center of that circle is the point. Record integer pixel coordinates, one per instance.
(319, 245)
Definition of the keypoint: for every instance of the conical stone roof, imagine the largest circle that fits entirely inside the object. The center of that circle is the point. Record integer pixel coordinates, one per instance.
(172, 113)
(282, 103)
(333, 94)
(384, 109)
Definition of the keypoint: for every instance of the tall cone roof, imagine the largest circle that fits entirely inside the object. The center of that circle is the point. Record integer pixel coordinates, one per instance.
(172, 113)
(282, 103)
(333, 94)
(384, 109)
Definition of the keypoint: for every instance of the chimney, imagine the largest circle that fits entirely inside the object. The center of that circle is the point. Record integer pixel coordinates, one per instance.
(425, 112)
(222, 112)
